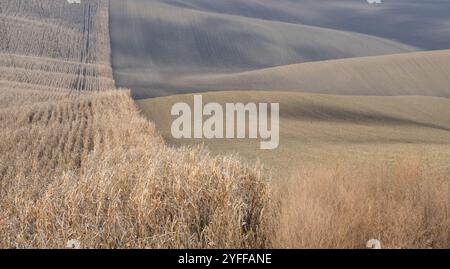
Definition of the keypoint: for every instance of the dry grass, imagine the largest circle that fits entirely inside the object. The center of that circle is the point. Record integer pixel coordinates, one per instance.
(404, 206)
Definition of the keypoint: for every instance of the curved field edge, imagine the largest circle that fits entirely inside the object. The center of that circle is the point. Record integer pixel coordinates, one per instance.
(348, 169)
(92, 169)
(157, 43)
(417, 73)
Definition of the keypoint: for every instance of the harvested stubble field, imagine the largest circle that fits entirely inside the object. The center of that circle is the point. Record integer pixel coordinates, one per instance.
(55, 44)
(78, 161)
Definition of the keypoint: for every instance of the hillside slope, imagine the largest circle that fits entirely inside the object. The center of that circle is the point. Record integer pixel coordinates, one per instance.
(419, 23)
(156, 42)
(419, 73)
(323, 129)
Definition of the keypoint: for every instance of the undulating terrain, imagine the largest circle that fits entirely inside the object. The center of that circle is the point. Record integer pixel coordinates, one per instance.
(422, 24)
(364, 143)
(330, 129)
(356, 122)
(157, 43)
(419, 73)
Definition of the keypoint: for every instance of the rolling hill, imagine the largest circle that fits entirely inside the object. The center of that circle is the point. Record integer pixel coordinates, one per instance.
(156, 42)
(328, 129)
(423, 24)
(419, 73)
(79, 165)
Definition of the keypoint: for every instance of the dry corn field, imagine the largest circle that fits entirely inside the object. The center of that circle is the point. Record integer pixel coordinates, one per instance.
(91, 169)
(78, 161)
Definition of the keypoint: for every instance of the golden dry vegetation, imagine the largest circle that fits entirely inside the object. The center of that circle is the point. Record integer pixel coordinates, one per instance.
(92, 169)
(404, 205)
